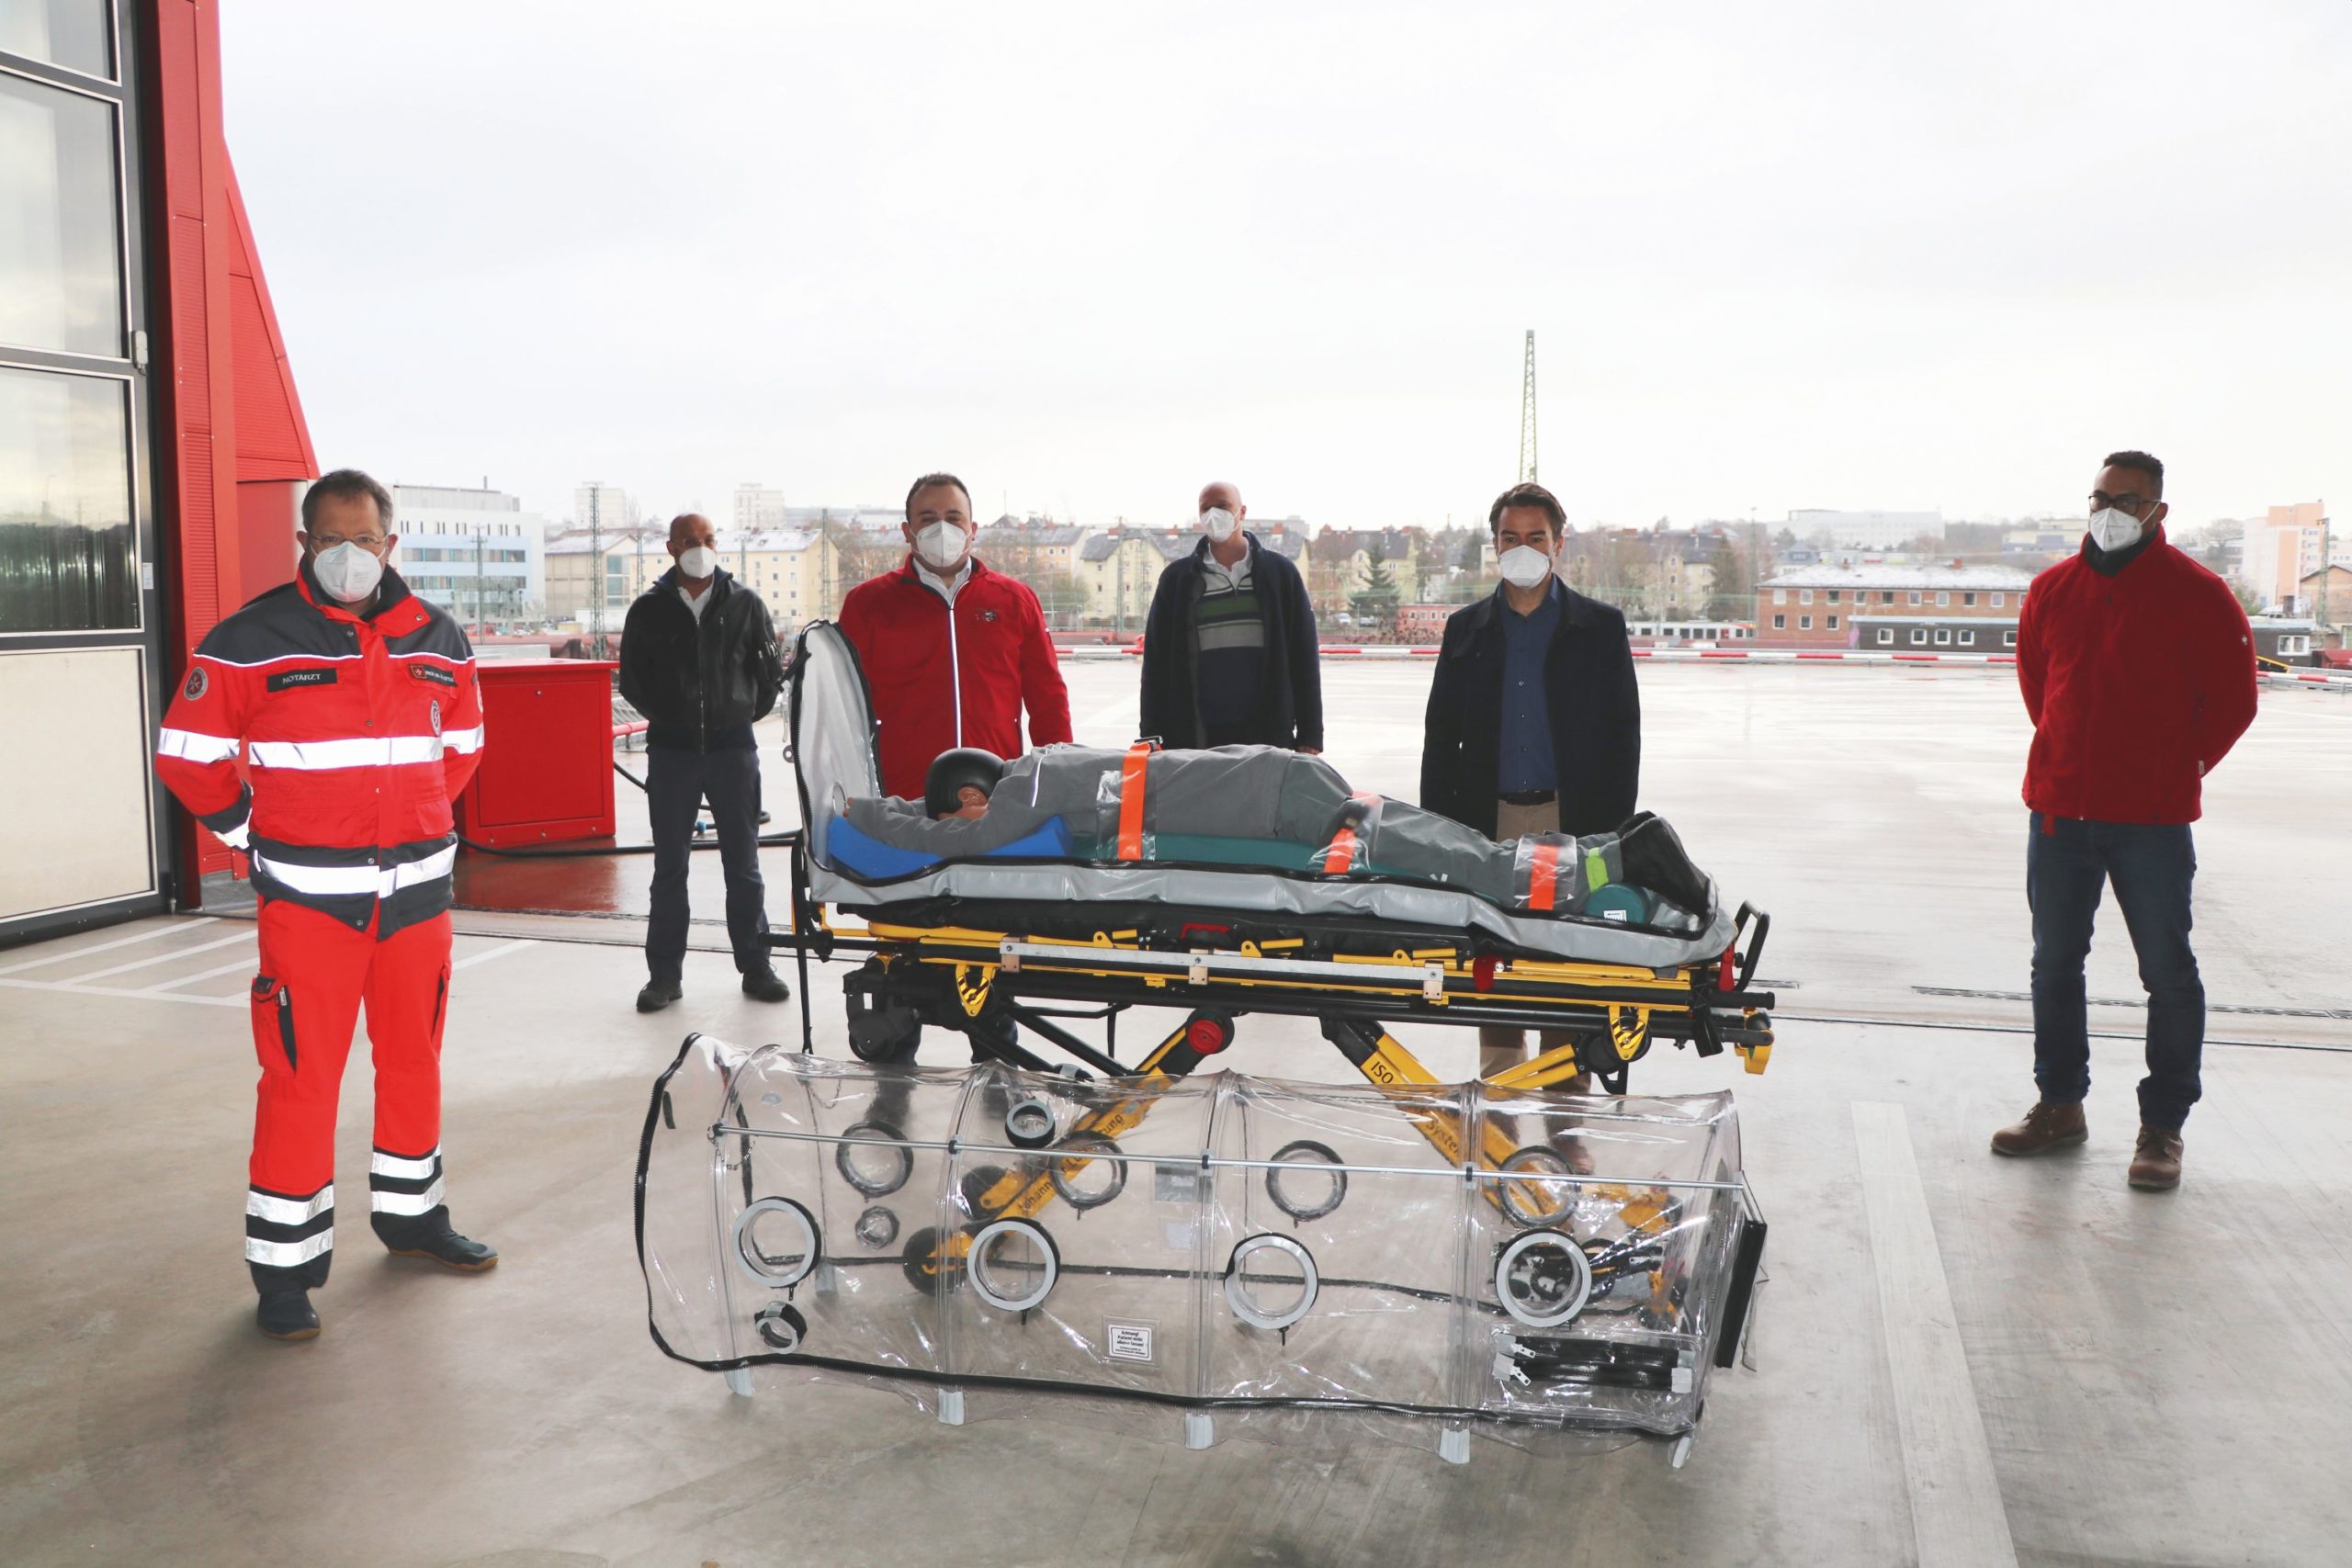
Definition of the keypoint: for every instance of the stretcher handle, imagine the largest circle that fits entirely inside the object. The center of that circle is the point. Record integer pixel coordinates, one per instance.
(1755, 953)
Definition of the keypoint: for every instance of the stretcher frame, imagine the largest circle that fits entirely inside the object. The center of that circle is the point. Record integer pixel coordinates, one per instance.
(985, 969)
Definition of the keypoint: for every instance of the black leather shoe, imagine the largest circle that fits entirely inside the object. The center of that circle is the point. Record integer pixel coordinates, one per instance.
(657, 995)
(764, 986)
(431, 1239)
(287, 1314)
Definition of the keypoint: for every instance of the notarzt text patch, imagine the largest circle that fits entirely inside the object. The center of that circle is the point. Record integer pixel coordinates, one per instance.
(286, 678)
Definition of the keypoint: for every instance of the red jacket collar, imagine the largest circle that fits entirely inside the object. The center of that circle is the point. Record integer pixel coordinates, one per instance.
(398, 610)
(906, 572)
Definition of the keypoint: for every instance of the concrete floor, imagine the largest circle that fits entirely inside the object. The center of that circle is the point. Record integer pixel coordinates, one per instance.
(2156, 1380)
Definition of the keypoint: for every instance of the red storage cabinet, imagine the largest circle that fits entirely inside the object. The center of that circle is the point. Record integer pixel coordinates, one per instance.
(546, 760)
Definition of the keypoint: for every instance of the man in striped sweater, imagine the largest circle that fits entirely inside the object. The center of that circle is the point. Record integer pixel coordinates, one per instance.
(1230, 655)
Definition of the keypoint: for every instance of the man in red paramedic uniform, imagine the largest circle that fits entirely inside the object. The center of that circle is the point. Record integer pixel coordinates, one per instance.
(951, 651)
(355, 704)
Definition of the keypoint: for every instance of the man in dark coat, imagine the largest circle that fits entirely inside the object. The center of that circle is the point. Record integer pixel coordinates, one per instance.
(699, 661)
(1534, 724)
(1230, 655)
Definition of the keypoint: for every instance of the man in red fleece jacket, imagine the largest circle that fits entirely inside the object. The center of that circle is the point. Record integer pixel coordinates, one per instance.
(2137, 667)
(951, 650)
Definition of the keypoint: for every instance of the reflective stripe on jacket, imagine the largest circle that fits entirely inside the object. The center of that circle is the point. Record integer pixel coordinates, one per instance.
(357, 734)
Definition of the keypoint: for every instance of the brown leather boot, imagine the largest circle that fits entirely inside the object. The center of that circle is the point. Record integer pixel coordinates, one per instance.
(2046, 1127)
(2156, 1160)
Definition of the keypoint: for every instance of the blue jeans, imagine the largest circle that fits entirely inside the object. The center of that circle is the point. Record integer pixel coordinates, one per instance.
(2150, 866)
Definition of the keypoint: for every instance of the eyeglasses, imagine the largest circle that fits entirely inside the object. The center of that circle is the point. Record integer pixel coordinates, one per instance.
(2127, 502)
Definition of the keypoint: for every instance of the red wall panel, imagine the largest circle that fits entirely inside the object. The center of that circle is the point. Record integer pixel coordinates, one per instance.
(232, 445)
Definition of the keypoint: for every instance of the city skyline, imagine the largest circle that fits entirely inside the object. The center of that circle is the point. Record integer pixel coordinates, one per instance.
(1803, 258)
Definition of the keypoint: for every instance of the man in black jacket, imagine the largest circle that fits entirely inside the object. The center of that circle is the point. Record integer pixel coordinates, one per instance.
(699, 661)
(1229, 652)
(1535, 725)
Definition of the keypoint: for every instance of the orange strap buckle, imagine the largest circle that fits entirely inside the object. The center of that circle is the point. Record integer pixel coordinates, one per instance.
(1132, 774)
(1342, 853)
(1542, 876)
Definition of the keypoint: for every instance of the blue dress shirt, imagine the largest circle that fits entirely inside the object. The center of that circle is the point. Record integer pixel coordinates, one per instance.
(1524, 760)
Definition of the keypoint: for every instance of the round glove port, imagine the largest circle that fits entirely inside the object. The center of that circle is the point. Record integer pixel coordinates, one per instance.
(871, 1158)
(1082, 1176)
(1538, 1203)
(1543, 1279)
(878, 1227)
(1245, 1291)
(1012, 1265)
(1029, 1123)
(1306, 1191)
(782, 1261)
(781, 1326)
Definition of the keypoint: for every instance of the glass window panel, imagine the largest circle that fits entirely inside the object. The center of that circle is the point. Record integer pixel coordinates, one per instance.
(76, 34)
(60, 281)
(68, 558)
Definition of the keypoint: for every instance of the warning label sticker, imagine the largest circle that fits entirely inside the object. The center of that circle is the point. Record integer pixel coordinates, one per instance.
(1129, 1341)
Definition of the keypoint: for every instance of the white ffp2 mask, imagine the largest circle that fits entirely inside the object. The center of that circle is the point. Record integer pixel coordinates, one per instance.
(1524, 566)
(698, 561)
(942, 546)
(2112, 528)
(348, 573)
(1219, 523)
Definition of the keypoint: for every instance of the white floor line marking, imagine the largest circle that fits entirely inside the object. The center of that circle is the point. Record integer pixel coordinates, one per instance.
(69, 988)
(160, 958)
(1957, 1517)
(187, 925)
(252, 961)
(488, 953)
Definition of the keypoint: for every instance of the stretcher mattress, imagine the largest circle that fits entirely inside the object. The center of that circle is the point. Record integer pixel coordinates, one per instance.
(832, 730)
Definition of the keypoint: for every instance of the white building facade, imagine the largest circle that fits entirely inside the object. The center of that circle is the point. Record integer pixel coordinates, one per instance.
(476, 553)
(1864, 530)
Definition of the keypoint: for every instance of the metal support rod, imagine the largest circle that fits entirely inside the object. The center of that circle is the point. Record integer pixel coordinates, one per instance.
(1221, 1162)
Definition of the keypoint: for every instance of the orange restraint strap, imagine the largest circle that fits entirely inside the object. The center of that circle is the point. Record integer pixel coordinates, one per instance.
(1132, 774)
(1342, 851)
(1542, 876)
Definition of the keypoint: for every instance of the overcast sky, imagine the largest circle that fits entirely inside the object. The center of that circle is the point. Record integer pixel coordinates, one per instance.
(1091, 256)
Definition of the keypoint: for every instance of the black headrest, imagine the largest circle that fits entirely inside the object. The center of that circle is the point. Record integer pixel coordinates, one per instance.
(951, 771)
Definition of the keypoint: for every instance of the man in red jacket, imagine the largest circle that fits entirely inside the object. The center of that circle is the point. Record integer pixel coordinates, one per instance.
(2138, 670)
(951, 650)
(355, 704)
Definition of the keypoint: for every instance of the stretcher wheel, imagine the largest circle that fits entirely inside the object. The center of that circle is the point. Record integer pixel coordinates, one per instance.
(1307, 1153)
(925, 1266)
(1111, 1173)
(973, 1188)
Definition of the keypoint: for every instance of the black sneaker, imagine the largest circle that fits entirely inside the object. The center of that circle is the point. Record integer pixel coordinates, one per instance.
(287, 1314)
(429, 1236)
(760, 985)
(657, 995)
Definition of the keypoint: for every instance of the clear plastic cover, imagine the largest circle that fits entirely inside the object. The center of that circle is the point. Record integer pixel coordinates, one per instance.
(1261, 1256)
(832, 730)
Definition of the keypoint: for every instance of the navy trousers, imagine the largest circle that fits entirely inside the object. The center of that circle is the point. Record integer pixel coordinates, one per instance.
(2150, 865)
(676, 783)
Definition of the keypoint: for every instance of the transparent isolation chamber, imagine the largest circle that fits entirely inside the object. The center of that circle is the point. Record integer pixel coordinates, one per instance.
(1248, 1252)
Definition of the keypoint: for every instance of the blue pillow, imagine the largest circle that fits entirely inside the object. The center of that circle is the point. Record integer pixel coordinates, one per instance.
(863, 855)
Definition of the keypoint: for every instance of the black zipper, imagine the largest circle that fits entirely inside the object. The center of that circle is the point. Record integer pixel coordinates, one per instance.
(286, 1025)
